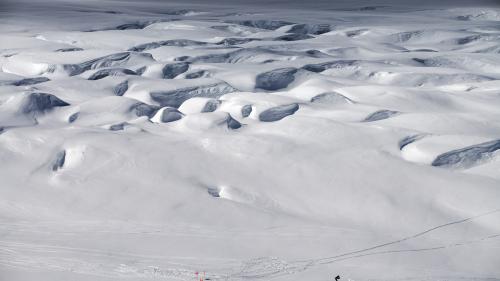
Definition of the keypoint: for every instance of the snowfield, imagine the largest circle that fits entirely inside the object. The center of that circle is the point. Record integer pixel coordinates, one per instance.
(164, 141)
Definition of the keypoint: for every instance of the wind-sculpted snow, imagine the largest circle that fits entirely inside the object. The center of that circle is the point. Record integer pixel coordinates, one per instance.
(199, 105)
(106, 61)
(73, 117)
(232, 123)
(316, 54)
(158, 44)
(113, 60)
(69, 49)
(409, 139)
(469, 39)
(254, 55)
(468, 156)
(171, 71)
(246, 110)
(331, 98)
(175, 98)
(262, 24)
(293, 37)
(211, 106)
(111, 72)
(197, 74)
(142, 109)
(41, 102)
(236, 41)
(128, 26)
(214, 191)
(320, 67)
(407, 35)
(179, 12)
(59, 161)
(232, 57)
(315, 29)
(277, 113)
(118, 127)
(167, 114)
(134, 25)
(275, 79)
(380, 115)
(356, 32)
(249, 140)
(182, 58)
(121, 88)
(31, 81)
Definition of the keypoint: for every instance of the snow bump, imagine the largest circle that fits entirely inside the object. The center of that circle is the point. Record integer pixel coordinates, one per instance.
(468, 156)
(277, 113)
(275, 79)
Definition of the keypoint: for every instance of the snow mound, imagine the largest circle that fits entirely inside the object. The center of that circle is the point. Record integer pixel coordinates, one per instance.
(277, 113)
(468, 156)
(166, 115)
(266, 140)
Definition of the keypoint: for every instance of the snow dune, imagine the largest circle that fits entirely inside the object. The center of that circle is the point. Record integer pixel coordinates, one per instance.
(153, 140)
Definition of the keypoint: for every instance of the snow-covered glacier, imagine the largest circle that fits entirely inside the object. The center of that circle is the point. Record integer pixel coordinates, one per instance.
(249, 140)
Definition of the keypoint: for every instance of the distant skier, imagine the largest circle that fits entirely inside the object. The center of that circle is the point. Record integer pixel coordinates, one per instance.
(337, 278)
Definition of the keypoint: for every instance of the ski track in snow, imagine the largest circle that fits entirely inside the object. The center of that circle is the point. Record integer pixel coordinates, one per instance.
(260, 268)
(155, 141)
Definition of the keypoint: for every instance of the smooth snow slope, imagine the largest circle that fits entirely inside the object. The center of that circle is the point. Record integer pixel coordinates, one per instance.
(154, 140)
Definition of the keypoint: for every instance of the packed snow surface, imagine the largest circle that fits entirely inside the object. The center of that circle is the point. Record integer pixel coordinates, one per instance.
(171, 141)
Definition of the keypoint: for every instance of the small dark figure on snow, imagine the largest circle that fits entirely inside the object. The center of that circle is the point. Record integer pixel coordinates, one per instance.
(337, 278)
